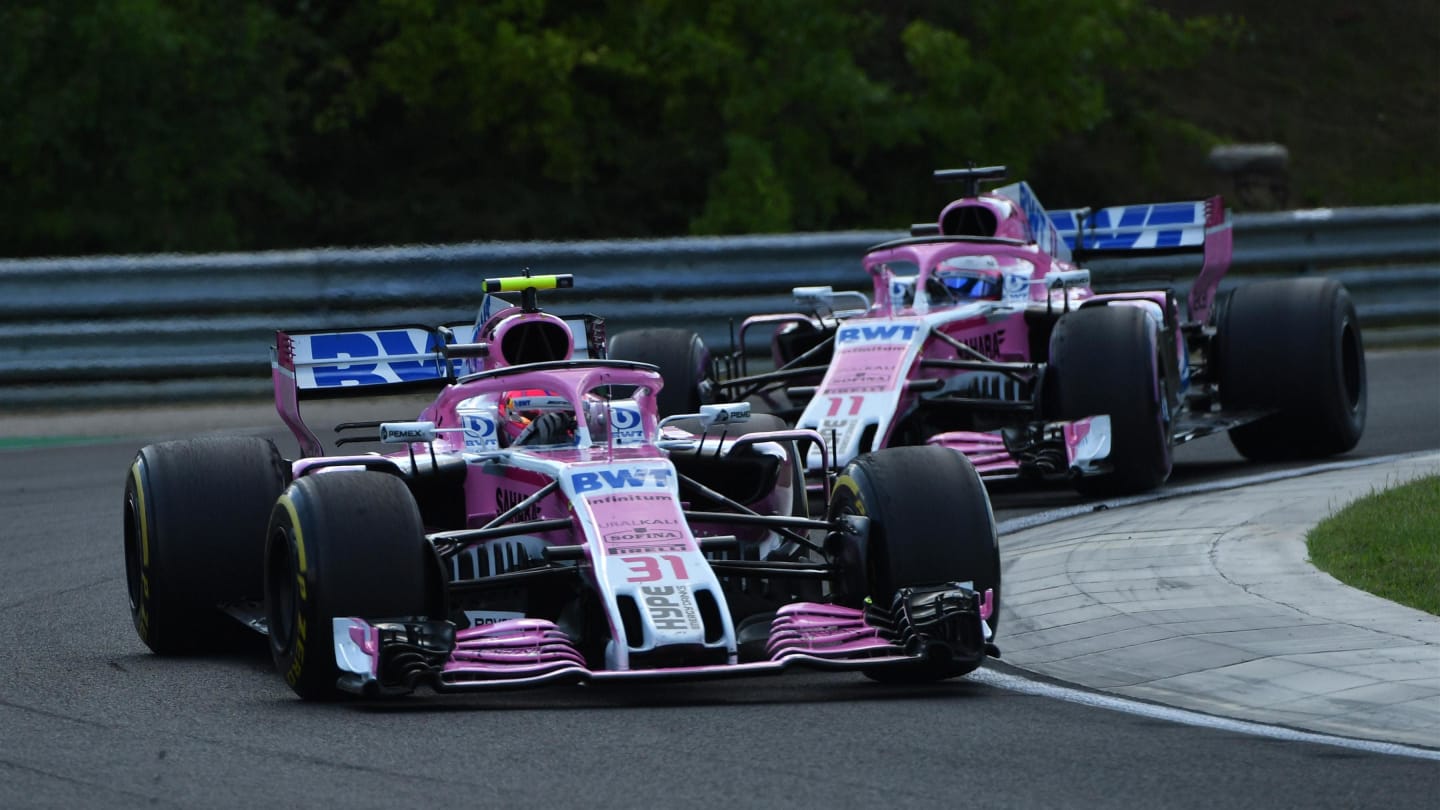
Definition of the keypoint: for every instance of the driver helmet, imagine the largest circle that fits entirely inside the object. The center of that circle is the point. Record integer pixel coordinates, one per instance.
(970, 286)
(520, 407)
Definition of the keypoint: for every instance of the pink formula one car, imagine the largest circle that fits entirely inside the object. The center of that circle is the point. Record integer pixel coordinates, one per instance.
(983, 335)
(539, 523)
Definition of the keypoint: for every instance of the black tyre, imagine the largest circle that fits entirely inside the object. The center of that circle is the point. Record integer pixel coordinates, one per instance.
(1105, 360)
(195, 514)
(1293, 346)
(340, 544)
(682, 358)
(930, 523)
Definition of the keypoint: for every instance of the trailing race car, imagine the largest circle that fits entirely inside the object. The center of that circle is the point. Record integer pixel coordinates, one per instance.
(539, 523)
(984, 336)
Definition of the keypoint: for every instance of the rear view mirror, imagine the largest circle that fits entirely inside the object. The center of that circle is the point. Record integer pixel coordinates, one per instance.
(724, 414)
(406, 432)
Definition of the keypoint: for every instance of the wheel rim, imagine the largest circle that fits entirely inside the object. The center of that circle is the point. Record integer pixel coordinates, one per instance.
(845, 505)
(280, 600)
(1167, 418)
(1350, 374)
(133, 573)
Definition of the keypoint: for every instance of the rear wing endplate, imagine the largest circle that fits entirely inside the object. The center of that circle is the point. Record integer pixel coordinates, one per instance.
(1042, 225)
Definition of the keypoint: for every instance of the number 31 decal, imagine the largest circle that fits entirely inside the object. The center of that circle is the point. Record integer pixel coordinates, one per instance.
(647, 569)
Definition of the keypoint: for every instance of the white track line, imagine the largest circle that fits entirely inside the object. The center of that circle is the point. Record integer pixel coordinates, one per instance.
(1018, 683)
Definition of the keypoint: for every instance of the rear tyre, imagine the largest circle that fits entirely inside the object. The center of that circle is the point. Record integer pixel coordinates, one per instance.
(340, 544)
(195, 513)
(683, 360)
(1105, 360)
(1293, 346)
(930, 523)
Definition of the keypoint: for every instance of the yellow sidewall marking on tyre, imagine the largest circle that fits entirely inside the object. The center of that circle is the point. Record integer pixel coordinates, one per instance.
(846, 482)
(297, 663)
(144, 607)
(295, 530)
(144, 527)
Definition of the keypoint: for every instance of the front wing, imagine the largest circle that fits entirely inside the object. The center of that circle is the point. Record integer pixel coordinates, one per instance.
(1051, 450)
(924, 627)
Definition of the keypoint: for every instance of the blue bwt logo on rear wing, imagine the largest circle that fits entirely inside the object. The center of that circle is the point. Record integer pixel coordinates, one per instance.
(382, 356)
(1161, 226)
(362, 358)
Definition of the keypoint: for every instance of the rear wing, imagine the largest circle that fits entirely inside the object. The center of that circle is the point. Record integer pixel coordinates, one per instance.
(389, 359)
(379, 361)
(354, 361)
(1180, 226)
(1202, 226)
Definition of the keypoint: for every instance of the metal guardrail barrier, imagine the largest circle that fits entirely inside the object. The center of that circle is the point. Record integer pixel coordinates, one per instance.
(166, 328)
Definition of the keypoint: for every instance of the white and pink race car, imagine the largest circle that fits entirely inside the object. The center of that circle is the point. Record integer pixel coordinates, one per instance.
(540, 523)
(982, 334)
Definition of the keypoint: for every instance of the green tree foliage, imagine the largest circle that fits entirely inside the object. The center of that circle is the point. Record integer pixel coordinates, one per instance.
(1010, 78)
(139, 124)
(178, 124)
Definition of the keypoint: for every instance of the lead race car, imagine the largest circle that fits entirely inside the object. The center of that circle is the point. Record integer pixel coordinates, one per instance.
(985, 336)
(539, 523)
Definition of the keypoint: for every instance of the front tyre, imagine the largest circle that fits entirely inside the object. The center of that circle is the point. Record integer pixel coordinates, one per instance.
(1105, 360)
(1294, 347)
(930, 523)
(195, 514)
(340, 544)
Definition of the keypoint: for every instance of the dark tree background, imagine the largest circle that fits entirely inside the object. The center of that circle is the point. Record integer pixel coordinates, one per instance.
(191, 125)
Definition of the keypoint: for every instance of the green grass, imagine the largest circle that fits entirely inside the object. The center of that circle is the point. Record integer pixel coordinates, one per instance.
(1387, 543)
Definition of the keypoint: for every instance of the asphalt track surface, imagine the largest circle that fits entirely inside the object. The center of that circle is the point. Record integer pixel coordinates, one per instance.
(90, 719)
